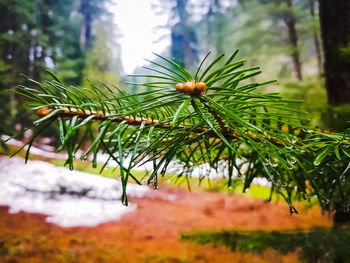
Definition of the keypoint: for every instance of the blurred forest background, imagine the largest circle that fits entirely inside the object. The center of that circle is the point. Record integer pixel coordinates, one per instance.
(79, 41)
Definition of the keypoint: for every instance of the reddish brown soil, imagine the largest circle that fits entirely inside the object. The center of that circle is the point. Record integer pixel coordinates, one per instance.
(152, 233)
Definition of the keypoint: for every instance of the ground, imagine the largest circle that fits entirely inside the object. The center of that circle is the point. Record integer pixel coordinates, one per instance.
(153, 232)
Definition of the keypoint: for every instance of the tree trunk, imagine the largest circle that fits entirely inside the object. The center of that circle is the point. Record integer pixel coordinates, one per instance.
(316, 38)
(214, 27)
(183, 37)
(208, 18)
(335, 31)
(86, 34)
(293, 39)
(341, 217)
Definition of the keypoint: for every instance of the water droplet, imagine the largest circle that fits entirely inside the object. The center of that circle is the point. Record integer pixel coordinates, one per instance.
(273, 162)
(292, 139)
(291, 160)
(306, 130)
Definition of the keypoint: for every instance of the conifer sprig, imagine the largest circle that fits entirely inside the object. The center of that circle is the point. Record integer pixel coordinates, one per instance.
(231, 119)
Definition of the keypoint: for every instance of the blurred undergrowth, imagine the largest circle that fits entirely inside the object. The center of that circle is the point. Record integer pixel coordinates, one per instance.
(314, 245)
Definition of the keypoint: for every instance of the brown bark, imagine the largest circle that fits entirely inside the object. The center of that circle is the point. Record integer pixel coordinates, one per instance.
(335, 31)
(293, 39)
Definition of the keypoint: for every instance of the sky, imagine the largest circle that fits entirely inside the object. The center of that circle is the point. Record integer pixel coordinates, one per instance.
(140, 32)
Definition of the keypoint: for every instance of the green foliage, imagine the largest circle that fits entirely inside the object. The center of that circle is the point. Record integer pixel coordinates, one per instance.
(15, 26)
(330, 176)
(38, 34)
(345, 52)
(101, 62)
(316, 245)
(313, 94)
(259, 28)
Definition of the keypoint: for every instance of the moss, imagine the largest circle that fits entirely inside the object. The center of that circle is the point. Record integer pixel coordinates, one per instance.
(324, 244)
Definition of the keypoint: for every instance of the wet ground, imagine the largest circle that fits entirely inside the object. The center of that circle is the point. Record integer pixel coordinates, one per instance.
(152, 233)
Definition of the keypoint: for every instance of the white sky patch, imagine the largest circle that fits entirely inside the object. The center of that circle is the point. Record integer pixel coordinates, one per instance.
(141, 32)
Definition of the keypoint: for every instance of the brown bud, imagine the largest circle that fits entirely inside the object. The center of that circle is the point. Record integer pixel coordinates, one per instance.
(99, 114)
(80, 112)
(189, 87)
(285, 128)
(297, 131)
(200, 87)
(129, 119)
(251, 134)
(42, 112)
(179, 87)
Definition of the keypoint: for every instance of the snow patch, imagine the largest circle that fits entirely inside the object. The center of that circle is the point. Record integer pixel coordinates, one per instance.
(69, 198)
(173, 167)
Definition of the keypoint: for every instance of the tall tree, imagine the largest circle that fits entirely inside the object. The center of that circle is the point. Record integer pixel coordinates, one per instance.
(52, 18)
(316, 38)
(335, 29)
(16, 26)
(290, 21)
(269, 27)
(284, 9)
(183, 36)
(38, 34)
(103, 58)
(216, 22)
(90, 10)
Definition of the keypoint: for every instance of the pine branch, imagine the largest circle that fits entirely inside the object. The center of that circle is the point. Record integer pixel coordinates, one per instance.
(194, 120)
(130, 120)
